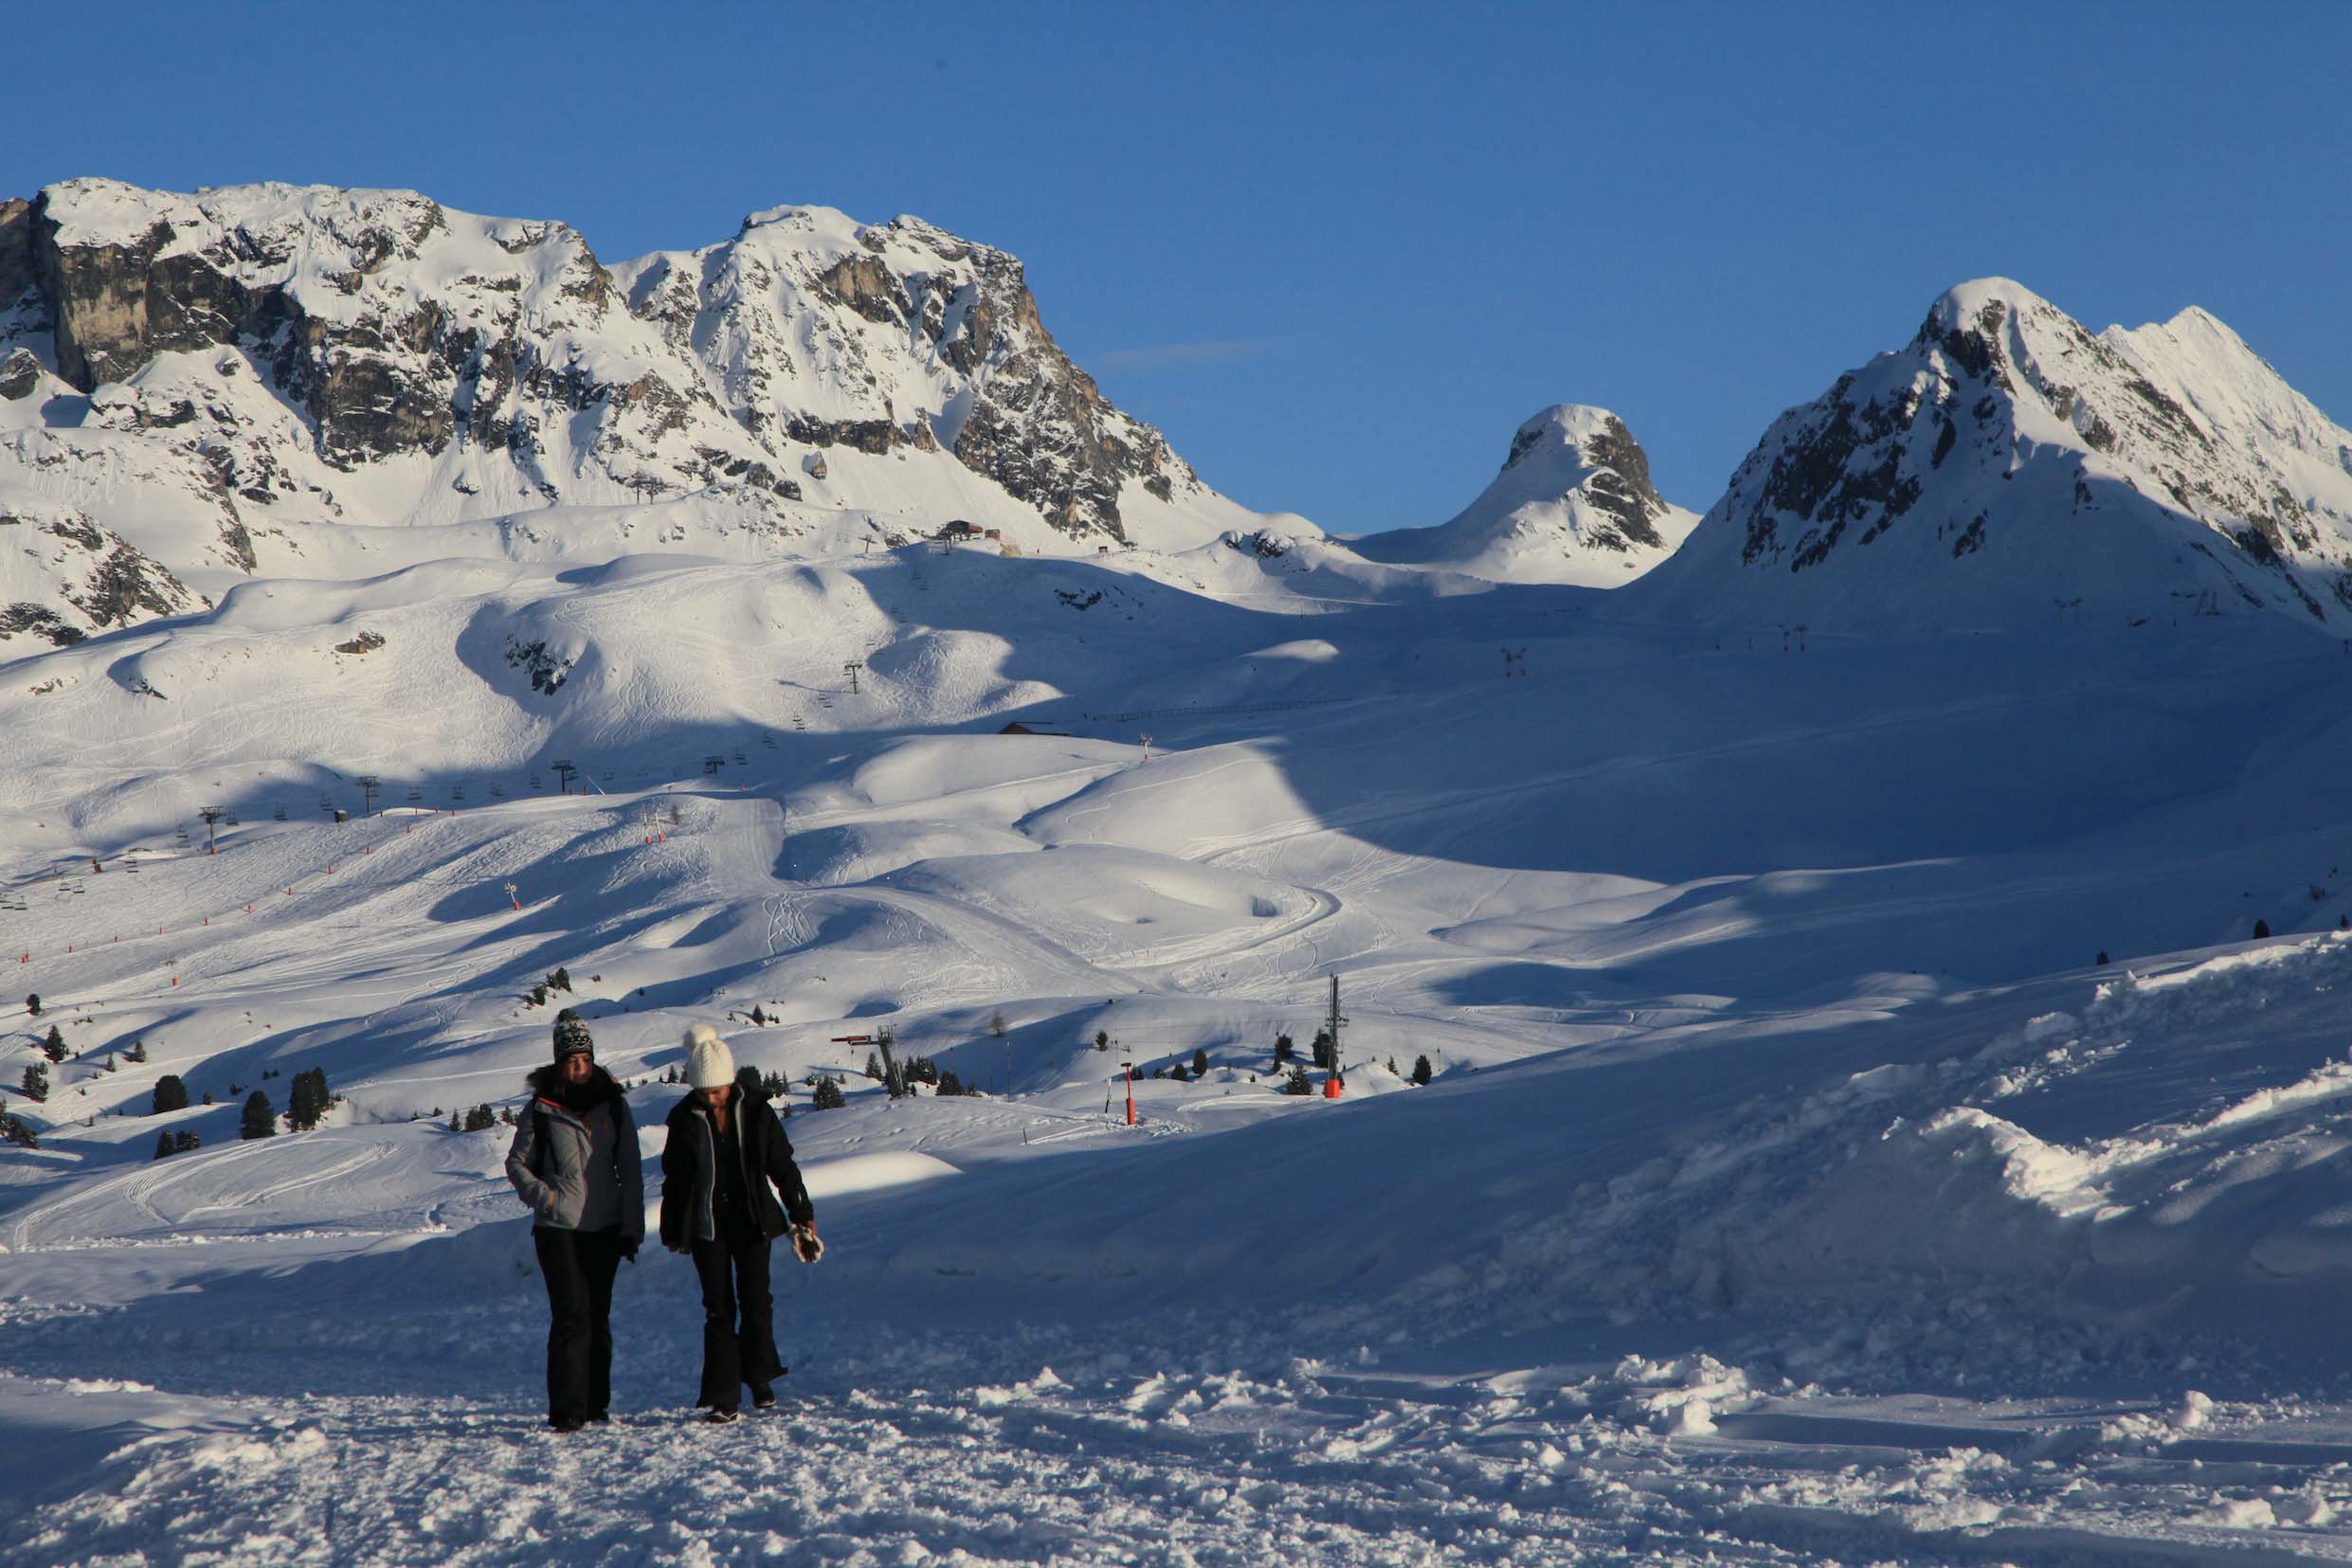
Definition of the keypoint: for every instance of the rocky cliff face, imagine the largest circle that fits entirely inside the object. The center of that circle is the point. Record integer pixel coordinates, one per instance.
(1572, 504)
(2008, 465)
(208, 374)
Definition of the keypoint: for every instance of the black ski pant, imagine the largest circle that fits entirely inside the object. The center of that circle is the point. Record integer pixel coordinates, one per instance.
(579, 1266)
(739, 1318)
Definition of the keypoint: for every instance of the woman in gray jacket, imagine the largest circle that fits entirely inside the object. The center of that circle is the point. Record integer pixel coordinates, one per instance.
(574, 1162)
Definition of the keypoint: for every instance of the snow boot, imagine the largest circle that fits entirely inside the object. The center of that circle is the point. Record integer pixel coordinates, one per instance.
(720, 1417)
(565, 1423)
(762, 1396)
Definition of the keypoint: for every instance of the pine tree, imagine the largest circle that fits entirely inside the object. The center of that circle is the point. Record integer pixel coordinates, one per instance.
(15, 1129)
(36, 1082)
(457, 1123)
(1421, 1073)
(560, 980)
(55, 1045)
(108, 1065)
(2262, 929)
(1283, 1049)
(481, 1119)
(308, 1100)
(183, 1143)
(2101, 961)
(1102, 1039)
(260, 1121)
(138, 1051)
(759, 1019)
(1320, 1050)
(165, 1148)
(572, 1035)
(538, 995)
(1199, 1062)
(32, 1004)
(829, 1096)
(170, 1094)
(1297, 1083)
(950, 1083)
(873, 1067)
(1181, 1073)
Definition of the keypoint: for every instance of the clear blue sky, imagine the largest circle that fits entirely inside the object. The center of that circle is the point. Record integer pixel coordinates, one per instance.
(1337, 253)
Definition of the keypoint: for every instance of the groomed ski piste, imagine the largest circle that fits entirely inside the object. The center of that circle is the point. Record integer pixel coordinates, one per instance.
(1795, 1184)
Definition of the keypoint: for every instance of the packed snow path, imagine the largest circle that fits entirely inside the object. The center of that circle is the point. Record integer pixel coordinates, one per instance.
(887, 1451)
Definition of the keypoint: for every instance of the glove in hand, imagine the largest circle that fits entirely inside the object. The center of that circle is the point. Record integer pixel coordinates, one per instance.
(806, 1245)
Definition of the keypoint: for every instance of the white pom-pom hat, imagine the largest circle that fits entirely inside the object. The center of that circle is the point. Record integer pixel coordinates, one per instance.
(709, 1063)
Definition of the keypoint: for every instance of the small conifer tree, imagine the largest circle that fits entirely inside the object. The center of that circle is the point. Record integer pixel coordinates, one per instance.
(37, 1082)
(873, 1067)
(2100, 963)
(457, 1123)
(164, 1146)
(1297, 1083)
(54, 1047)
(1284, 1048)
(308, 1100)
(15, 1129)
(1320, 1048)
(2262, 929)
(560, 980)
(1102, 1039)
(759, 1019)
(259, 1120)
(138, 1051)
(481, 1119)
(1199, 1062)
(32, 1004)
(828, 1095)
(950, 1083)
(171, 1093)
(1181, 1073)
(184, 1142)
(1422, 1074)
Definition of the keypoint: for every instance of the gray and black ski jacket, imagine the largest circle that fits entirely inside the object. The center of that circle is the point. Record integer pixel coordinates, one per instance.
(549, 1162)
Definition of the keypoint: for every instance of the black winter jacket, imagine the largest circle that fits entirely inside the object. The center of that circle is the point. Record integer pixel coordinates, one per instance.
(687, 1156)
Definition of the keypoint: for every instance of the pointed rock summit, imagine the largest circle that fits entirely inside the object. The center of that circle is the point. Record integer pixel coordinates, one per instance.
(1572, 504)
(2007, 466)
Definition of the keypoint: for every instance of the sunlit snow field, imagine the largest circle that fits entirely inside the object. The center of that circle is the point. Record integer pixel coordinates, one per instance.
(1795, 1184)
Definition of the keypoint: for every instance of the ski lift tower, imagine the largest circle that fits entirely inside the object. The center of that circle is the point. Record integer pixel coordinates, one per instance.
(851, 670)
(210, 813)
(1333, 1084)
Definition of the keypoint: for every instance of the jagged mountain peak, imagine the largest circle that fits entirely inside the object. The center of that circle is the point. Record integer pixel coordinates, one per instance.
(1572, 503)
(2007, 462)
(247, 364)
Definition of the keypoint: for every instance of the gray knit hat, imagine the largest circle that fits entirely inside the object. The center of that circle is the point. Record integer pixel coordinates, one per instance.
(572, 1036)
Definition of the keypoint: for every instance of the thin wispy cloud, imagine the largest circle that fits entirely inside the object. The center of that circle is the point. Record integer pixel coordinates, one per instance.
(1220, 351)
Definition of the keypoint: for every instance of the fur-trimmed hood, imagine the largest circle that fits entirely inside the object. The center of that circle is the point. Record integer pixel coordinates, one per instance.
(547, 1083)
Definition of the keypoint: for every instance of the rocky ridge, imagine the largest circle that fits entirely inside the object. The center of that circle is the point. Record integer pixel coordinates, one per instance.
(2007, 465)
(207, 377)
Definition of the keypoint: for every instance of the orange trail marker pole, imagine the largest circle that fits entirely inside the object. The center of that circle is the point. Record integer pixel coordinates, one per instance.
(1131, 1094)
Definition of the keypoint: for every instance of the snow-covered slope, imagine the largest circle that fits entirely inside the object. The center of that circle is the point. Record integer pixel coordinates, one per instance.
(1573, 504)
(2008, 467)
(193, 386)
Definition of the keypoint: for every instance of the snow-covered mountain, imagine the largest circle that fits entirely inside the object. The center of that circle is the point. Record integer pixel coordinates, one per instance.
(194, 389)
(1573, 503)
(2007, 466)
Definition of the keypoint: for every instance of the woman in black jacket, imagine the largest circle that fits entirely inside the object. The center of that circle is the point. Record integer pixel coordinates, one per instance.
(729, 1187)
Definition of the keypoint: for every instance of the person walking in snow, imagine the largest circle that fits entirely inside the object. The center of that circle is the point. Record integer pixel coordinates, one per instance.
(574, 1162)
(729, 1187)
